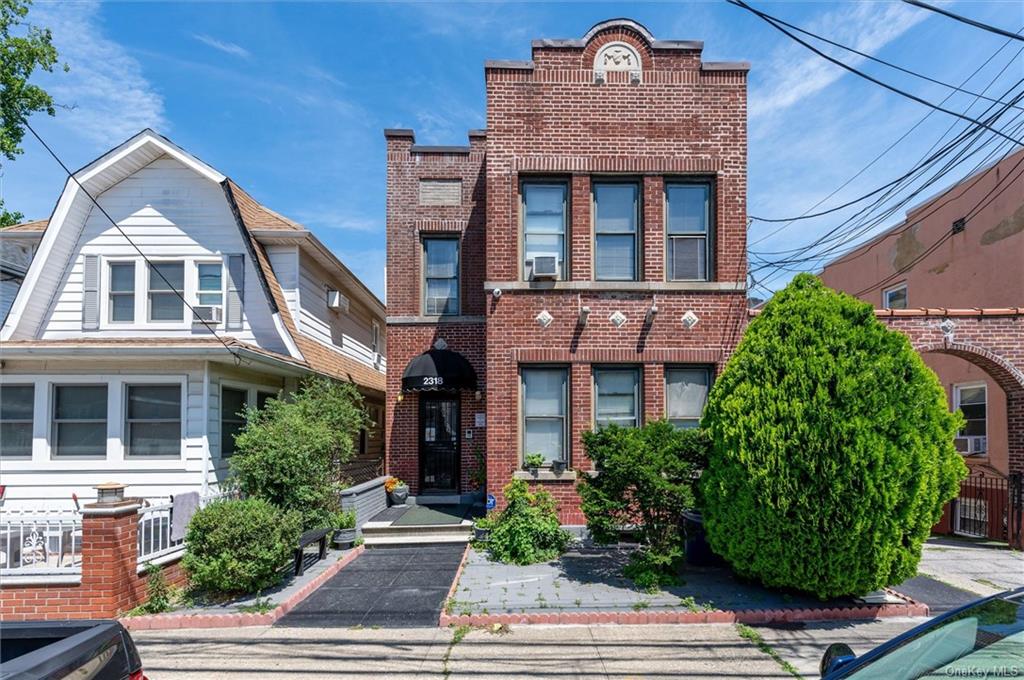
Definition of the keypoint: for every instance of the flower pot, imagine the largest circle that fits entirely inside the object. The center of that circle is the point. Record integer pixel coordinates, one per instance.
(532, 470)
(558, 466)
(344, 538)
(481, 534)
(399, 495)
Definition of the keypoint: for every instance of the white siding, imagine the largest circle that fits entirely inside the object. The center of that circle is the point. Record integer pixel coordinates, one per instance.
(284, 260)
(168, 210)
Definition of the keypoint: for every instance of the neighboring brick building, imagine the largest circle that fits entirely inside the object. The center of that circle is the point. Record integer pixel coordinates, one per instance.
(582, 261)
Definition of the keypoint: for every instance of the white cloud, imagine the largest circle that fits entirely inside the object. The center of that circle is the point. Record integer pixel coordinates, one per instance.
(107, 95)
(794, 73)
(226, 47)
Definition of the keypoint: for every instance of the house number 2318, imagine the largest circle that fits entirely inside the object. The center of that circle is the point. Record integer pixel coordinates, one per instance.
(435, 381)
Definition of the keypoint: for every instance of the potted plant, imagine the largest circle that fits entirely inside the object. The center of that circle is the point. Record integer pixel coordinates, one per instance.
(344, 529)
(398, 492)
(534, 461)
(478, 476)
(482, 527)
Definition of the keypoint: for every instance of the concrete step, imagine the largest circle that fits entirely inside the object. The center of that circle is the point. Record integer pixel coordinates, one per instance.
(384, 533)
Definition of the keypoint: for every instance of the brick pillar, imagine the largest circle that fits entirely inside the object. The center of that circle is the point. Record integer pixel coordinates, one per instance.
(1015, 464)
(110, 583)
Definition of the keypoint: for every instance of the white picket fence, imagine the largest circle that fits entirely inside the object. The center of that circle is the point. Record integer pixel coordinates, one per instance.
(40, 541)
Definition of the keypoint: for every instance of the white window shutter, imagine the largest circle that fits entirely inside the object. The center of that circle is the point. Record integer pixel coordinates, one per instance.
(236, 292)
(91, 293)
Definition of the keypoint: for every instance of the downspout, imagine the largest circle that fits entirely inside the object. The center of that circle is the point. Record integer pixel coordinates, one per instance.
(206, 429)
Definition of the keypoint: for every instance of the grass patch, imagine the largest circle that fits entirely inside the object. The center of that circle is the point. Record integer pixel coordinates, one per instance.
(262, 605)
(748, 633)
(641, 605)
(990, 584)
(692, 605)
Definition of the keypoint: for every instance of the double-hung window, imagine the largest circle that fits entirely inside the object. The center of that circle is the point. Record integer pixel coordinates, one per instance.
(616, 212)
(441, 276)
(122, 292)
(16, 409)
(688, 227)
(686, 393)
(233, 402)
(210, 290)
(79, 426)
(972, 401)
(617, 396)
(544, 405)
(543, 211)
(167, 291)
(152, 421)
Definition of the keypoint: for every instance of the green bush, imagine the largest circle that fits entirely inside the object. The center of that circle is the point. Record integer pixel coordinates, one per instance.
(527, 530)
(291, 451)
(239, 546)
(647, 478)
(158, 591)
(832, 448)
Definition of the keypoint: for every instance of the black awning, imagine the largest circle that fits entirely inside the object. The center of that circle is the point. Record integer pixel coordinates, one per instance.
(438, 369)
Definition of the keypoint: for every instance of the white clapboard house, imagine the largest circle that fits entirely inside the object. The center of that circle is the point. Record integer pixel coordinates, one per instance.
(106, 374)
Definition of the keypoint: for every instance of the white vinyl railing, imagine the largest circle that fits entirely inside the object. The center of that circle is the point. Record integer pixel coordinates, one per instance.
(40, 541)
(155, 529)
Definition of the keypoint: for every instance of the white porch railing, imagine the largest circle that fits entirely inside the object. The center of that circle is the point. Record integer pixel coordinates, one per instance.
(36, 541)
(155, 529)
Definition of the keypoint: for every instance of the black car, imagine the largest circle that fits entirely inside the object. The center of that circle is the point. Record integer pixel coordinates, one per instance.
(45, 650)
(984, 639)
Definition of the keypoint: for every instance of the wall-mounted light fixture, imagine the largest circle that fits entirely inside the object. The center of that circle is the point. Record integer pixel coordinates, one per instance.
(496, 293)
(584, 315)
(651, 312)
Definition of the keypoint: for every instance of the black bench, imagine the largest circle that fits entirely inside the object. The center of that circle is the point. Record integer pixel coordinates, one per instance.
(308, 538)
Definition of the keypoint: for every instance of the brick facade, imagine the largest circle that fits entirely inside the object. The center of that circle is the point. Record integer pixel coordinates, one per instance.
(548, 118)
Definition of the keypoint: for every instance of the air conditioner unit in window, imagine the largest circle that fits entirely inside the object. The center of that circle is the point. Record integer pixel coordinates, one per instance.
(337, 301)
(971, 445)
(545, 266)
(207, 314)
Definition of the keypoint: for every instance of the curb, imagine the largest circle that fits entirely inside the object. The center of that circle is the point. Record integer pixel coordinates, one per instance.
(173, 621)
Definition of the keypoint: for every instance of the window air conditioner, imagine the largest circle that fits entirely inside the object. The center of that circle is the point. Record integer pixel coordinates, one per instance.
(207, 314)
(545, 266)
(971, 445)
(337, 301)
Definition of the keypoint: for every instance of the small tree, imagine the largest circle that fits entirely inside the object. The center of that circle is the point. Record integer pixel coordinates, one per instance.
(832, 448)
(527, 530)
(291, 451)
(647, 478)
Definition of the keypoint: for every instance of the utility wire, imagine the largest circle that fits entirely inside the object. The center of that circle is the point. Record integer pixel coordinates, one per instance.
(170, 286)
(892, 88)
(965, 20)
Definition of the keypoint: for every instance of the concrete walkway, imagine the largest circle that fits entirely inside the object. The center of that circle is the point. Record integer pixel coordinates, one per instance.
(549, 652)
(981, 568)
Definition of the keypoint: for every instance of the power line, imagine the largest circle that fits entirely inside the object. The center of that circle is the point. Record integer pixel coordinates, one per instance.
(892, 88)
(146, 259)
(965, 20)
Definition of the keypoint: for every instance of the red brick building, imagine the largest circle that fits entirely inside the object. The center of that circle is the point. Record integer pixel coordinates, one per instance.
(582, 261)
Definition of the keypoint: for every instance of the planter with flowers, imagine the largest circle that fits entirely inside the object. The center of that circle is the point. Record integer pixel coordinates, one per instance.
(397, 490)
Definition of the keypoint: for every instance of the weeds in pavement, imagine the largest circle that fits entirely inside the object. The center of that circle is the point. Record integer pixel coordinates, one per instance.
(460, 633)
(748, 633)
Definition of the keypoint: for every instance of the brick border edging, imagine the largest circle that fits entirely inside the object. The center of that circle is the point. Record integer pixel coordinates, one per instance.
(172, 621)
(755, 616)
(453, 588)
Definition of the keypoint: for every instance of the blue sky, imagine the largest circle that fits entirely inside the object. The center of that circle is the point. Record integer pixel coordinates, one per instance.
(290, 99)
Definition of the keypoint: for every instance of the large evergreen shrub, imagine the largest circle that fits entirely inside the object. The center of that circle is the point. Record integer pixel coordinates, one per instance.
(647, 478)
(832, 448)
(291, 451)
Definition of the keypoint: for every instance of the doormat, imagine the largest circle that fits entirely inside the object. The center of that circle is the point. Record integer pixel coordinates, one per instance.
(430, 515)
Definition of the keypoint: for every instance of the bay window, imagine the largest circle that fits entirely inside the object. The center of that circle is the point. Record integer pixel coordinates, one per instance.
(152, 420)
(688, 227)
(441, 276)
(544, 218)
(617, 396)
(616, 211)
(16, 411)
(544, 409)
(686, 393)
(79, 422)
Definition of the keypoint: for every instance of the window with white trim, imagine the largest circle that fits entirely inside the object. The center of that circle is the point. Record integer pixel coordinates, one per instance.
(122, 292)
(972, 401)
(441, 276)
(17, 406)
(166, 291)
(686, 394)
(689, 231)
(543, 210)
(617, 396)
(233, 402)
(152, 420)
(545, 396)
(375, 340)
(616, 230)
(79, 421)
(895, 297)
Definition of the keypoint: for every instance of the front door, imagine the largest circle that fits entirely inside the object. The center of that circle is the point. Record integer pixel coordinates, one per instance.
(439, 442)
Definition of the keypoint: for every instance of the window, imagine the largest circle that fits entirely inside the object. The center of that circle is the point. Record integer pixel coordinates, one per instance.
(210, 290)
(972, 400)
(615, 231)
(79, 420)
(375, 341)
(545, 393)
(232, 417)
(543, 210)
(263, 397)
(895, 298)
(686, 393)
(617, 397)
(166, 291)
(152, 422)
(122, 292)
(16, 409)
(441, 273)
(688, 226)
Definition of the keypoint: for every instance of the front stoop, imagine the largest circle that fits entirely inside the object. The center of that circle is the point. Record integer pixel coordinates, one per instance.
(378, 534)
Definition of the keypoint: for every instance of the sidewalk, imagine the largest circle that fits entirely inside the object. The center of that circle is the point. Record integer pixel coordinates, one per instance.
(980, 567)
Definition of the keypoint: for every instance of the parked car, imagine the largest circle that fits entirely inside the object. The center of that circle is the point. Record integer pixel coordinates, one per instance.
(40, 650)
(984, 639)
